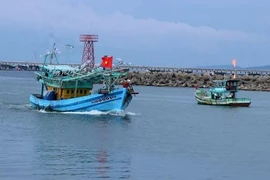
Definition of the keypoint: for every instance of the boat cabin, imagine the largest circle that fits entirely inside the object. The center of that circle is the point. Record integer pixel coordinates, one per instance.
(232, 85)
(67, 93)
(229, 85)
(62, 84)
(224, 89)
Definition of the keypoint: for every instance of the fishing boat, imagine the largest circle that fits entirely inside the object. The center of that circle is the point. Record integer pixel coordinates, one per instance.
(222, 94)
(70, 89)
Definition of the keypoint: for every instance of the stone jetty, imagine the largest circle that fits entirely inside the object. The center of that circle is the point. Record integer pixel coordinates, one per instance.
(173, 79)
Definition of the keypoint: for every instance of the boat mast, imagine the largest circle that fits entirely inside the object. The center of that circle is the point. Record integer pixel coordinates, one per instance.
(52, 55)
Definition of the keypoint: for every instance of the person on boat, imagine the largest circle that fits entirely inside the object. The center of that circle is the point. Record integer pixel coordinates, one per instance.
(227, 86)
(212, 96)
(127, 84)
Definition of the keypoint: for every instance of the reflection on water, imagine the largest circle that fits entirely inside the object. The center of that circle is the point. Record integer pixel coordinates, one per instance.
(81, 146)
(81, 163)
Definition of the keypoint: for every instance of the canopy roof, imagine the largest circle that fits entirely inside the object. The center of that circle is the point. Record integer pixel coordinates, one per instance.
(59, 67)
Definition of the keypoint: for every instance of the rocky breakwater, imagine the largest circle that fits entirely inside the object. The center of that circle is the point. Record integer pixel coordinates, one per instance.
(173, 79)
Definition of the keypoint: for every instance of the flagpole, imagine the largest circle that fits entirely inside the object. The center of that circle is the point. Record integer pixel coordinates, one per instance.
(107, 63)
(111, 74)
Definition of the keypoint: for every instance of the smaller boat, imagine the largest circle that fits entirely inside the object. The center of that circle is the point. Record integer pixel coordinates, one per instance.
(222, 94)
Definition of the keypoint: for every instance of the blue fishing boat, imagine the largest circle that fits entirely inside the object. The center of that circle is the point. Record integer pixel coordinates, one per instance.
(222, 94)
(68, 89)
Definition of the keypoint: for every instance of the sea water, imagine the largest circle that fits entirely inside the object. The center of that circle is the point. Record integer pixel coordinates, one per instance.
(163, 134)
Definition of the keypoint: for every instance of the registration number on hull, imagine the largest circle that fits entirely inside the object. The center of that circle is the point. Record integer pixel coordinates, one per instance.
(103, 99)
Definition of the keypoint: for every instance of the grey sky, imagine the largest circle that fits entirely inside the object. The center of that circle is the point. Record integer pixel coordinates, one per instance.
(167, 33)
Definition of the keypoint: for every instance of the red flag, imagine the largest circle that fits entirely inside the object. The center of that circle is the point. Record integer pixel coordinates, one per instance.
(107, 61)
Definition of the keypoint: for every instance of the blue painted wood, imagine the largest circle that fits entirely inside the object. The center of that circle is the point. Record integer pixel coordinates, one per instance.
(117, 100)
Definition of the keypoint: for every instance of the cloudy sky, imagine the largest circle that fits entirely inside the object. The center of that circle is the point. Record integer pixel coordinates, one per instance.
(183, 33)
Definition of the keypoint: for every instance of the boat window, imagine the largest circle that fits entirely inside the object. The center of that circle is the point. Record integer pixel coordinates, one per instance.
(72, 91)
(80, 91)
(67, 91)
(85, 91)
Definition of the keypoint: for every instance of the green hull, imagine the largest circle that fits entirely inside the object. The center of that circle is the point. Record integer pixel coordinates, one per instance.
(204, 97)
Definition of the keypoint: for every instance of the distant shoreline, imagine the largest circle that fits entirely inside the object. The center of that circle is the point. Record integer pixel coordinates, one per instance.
(173, 79)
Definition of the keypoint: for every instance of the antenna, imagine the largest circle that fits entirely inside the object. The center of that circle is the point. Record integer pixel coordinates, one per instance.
(51, 54)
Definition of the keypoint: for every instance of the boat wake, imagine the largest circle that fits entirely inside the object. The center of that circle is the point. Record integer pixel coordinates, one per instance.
(17, 106)
(27, 107)
(96, 113)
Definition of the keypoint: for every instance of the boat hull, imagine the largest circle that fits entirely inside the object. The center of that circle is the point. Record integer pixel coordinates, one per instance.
(234, 102)
(117, 100)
